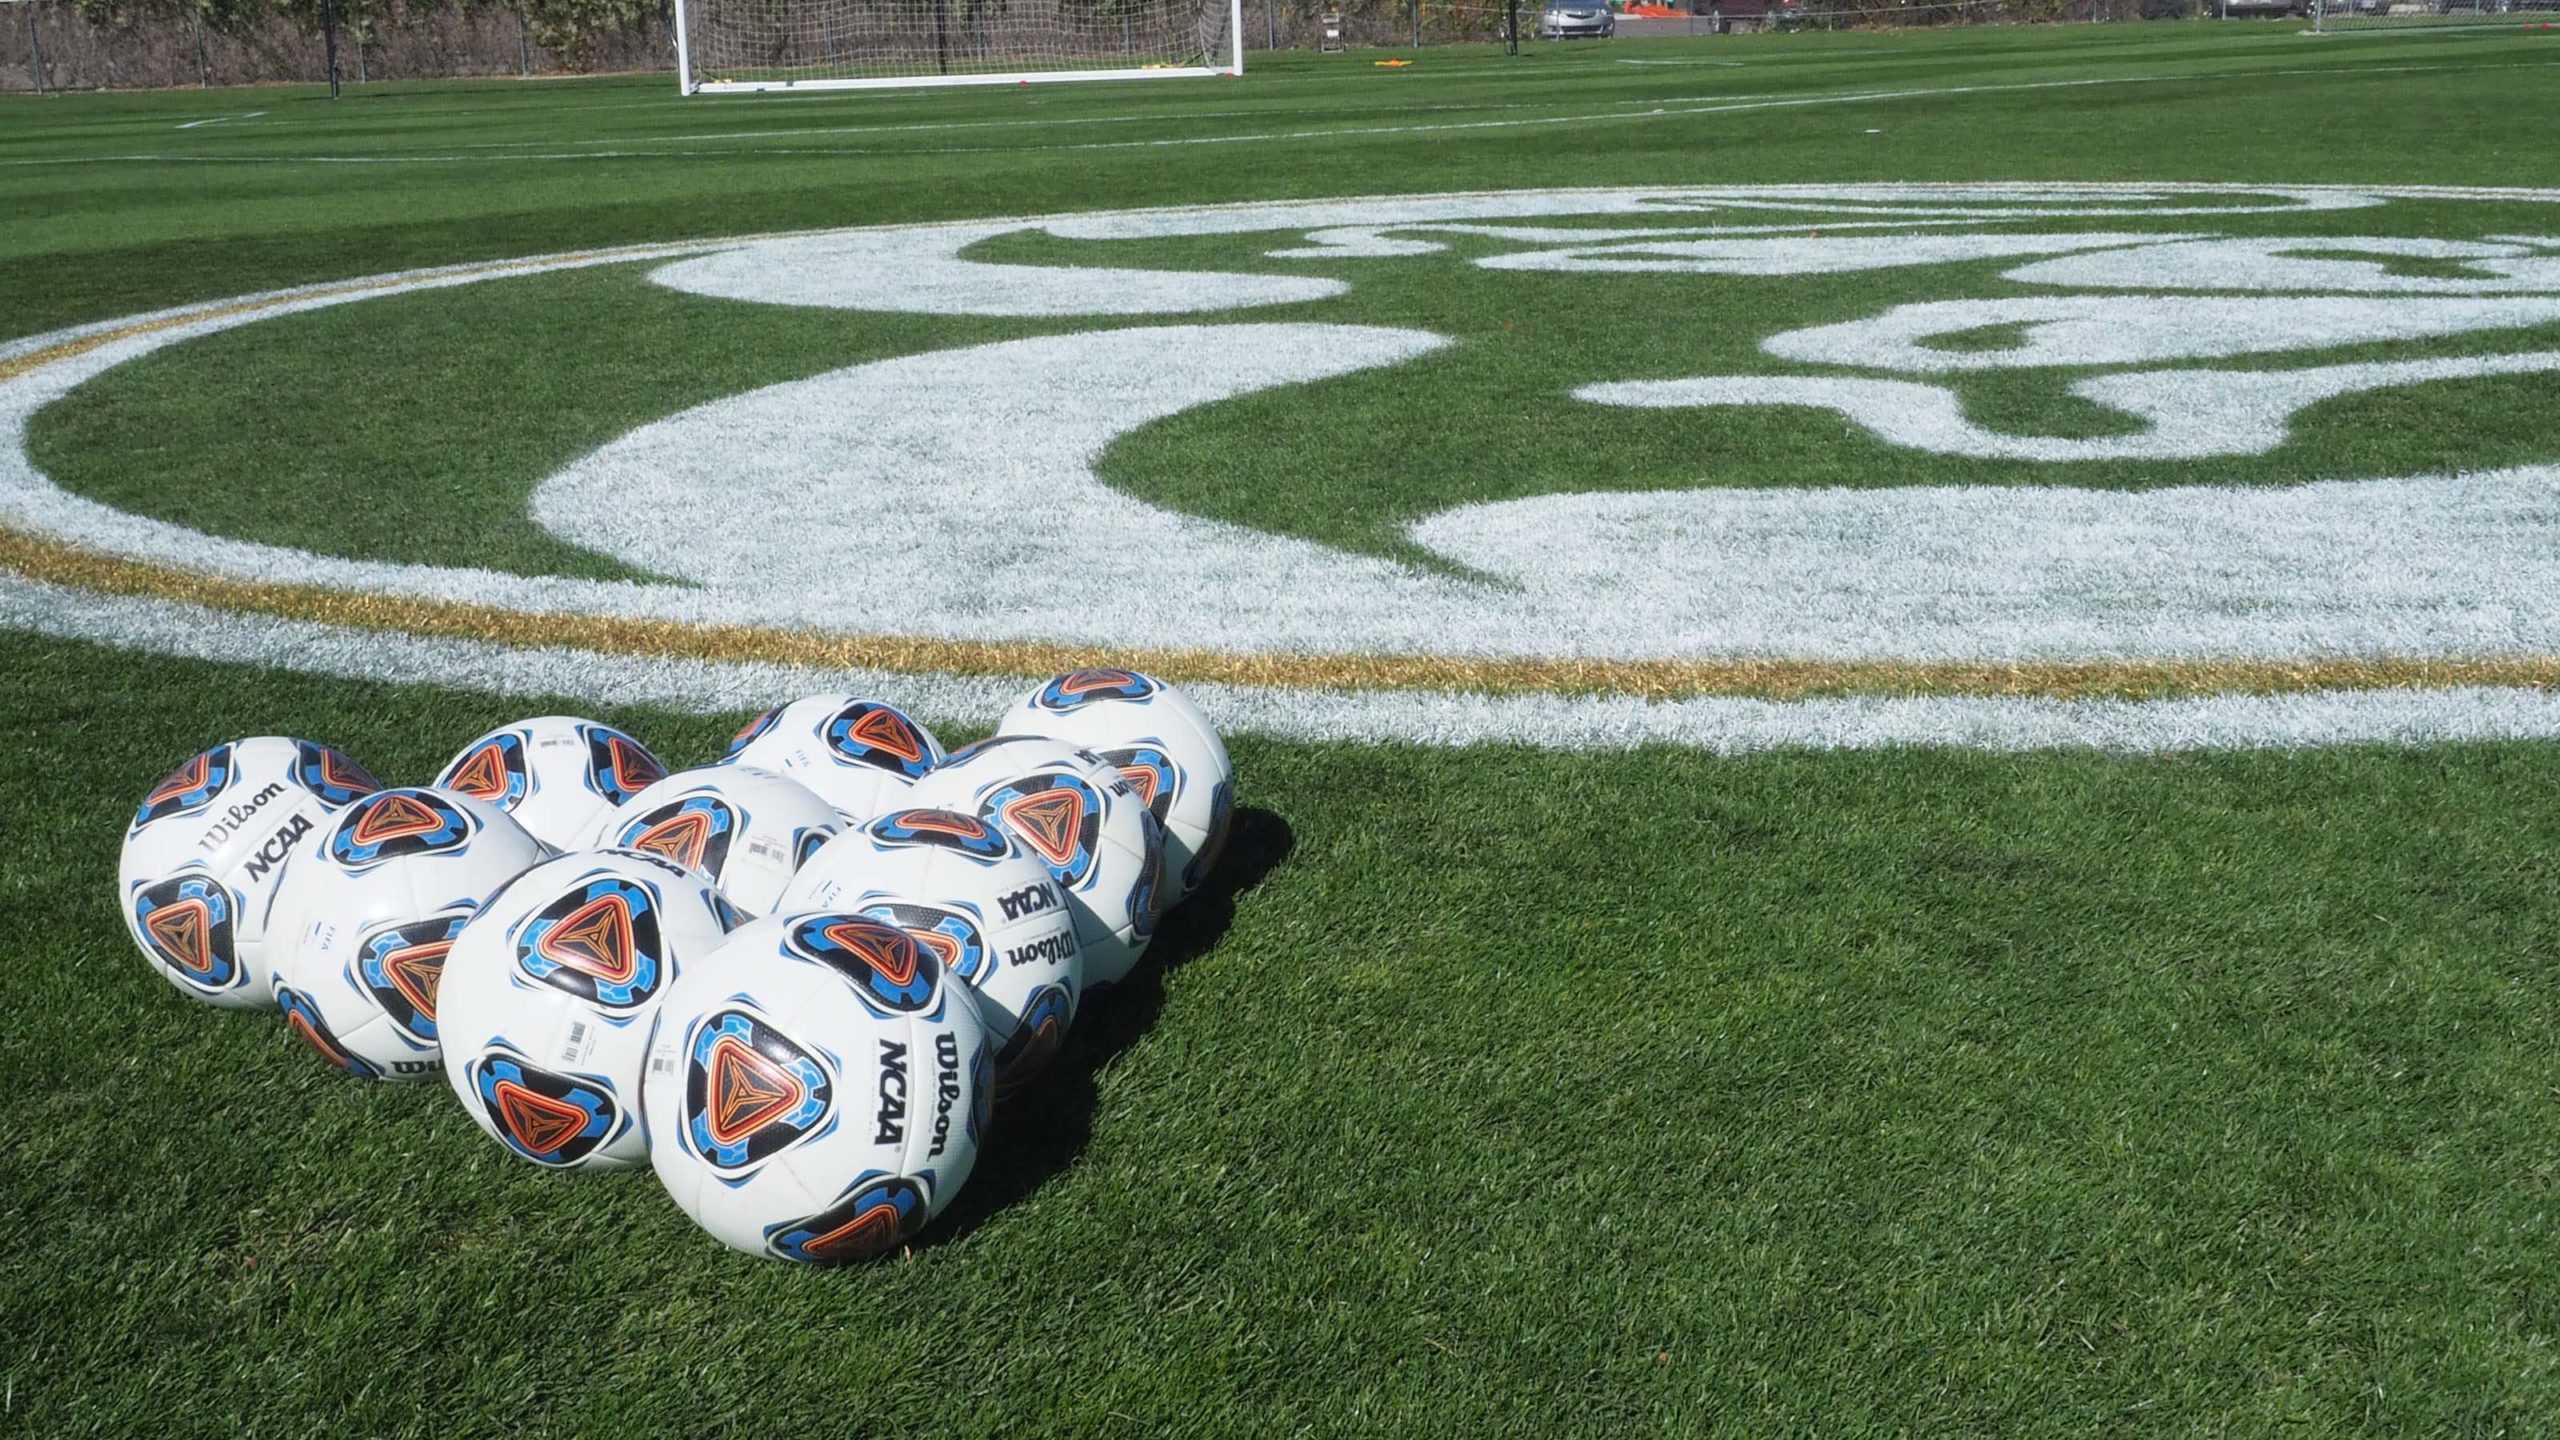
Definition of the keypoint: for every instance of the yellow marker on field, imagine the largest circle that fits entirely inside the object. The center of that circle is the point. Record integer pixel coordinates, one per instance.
(1391, 64)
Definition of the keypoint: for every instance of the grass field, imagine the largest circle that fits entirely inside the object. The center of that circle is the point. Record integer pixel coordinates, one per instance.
(1489, 1089)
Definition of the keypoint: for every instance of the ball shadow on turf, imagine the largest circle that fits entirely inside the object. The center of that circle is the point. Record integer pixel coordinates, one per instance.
(1040, 1132)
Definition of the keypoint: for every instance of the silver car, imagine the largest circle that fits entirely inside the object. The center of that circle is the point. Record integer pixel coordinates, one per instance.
(1571, 19)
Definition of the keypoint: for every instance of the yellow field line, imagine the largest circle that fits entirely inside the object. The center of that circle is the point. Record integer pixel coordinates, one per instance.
(34, 360)
(57, 563)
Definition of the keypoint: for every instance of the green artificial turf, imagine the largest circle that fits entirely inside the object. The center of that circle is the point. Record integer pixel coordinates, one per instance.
(400, 175)
(1487, 1091)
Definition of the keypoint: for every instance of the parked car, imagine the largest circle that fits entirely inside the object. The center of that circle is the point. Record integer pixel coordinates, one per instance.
(1577, 19)
(1725, 17)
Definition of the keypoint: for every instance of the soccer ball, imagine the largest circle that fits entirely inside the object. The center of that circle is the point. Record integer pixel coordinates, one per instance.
(1075, 814)
(743, 828)
(205, 849)
(1164, 747)
(549, 994)
(859, 755)
(980, 903)
(817, 1088)
(558, 775)
(366, 911)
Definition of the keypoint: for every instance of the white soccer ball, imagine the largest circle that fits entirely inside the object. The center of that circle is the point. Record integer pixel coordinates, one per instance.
(1164, 747)
(971, 895)
(744, 829)
(1074, 813)
(817, 1088)
(203, 854)
(861, 756)
(550, 992)
(558, 775)
(368, 908)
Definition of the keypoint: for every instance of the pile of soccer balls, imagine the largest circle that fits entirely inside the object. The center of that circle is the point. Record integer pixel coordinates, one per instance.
(570, 935)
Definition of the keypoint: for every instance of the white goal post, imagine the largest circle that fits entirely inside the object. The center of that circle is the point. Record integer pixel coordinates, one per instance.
(729, 46)
(2334, 16)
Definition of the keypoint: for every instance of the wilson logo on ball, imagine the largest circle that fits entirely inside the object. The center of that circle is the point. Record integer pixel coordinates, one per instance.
(1058, 816)
(547, 1118)
(694, 832)
(402, 966)
(1079, 688)
(599, 942)
(190, 785)
(943, 829)
(876, 1214)
(869, 734)
(622, 766)
(186, 920)
(492, 770)
(330, 774)
(749, 1091)
(393, 823)
(889, 970)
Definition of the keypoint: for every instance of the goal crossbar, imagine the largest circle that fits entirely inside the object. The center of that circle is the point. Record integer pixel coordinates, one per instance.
(2339, 16)
(742, 46)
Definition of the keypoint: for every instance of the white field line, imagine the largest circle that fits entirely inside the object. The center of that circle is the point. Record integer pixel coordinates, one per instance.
(1719, 724)
(1053, 123)
(220, 120)
(1579, 117)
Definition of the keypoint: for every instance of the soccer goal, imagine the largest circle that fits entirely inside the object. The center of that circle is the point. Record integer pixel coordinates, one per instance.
(2329, 16)
(734, 45)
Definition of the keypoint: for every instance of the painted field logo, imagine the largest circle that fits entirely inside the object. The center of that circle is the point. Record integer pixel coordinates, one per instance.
(2163, 325)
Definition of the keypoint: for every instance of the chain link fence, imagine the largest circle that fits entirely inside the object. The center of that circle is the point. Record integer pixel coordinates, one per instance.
(59, 45)
(53, 45)
(1294, 25)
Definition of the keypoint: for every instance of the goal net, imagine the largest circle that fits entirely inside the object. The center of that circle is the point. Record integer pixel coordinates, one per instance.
(732, 45)
(2336, 15)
